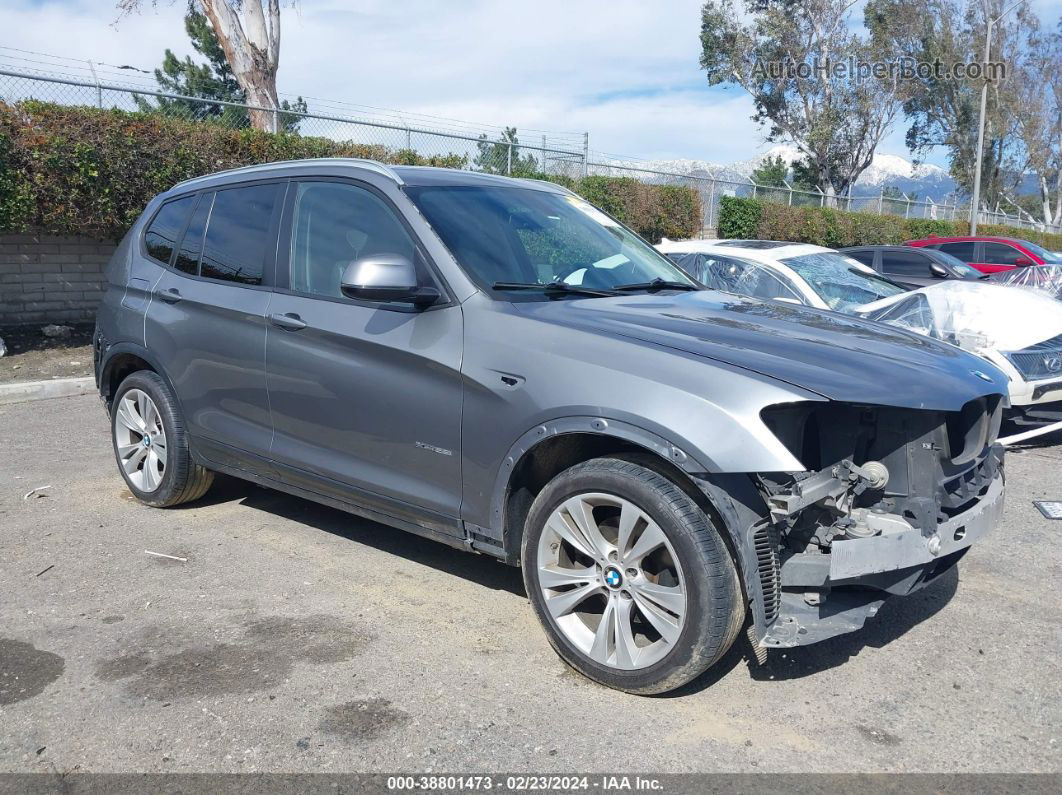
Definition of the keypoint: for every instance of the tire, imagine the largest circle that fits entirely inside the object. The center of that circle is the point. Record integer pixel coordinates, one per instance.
(685, 593)
(177, 479)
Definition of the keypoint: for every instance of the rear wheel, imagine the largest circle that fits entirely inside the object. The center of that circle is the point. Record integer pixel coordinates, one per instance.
(151, 446)
(629, 577)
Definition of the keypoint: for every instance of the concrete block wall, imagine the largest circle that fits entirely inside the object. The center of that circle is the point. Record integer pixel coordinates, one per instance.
(50, 279)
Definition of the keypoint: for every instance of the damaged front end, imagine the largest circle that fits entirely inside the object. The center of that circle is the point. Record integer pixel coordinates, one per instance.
(891, 498)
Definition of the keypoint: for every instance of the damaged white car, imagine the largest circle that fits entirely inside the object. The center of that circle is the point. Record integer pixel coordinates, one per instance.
(1019, 331)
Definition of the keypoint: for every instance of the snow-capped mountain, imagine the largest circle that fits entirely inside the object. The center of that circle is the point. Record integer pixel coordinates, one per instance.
(886, 170)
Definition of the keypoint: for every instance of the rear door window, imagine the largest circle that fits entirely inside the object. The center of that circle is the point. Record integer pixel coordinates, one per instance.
(238, 235)
(165, 228)
(963, 251)
(904, 263)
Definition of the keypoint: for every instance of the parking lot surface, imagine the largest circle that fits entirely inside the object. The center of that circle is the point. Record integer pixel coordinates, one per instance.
(294, 637)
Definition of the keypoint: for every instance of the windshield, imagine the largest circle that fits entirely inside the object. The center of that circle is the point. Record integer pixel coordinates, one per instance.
(1049, 257)
(957, 265)
(537, 237)
(842, 282)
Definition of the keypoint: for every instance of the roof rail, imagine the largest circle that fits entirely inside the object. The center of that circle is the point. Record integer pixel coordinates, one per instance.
(372, 165)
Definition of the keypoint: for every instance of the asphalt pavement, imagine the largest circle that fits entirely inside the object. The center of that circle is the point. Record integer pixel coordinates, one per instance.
(293, 637)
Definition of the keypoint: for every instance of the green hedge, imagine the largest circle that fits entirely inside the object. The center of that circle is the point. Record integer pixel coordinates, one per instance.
(83, 171)
(753, 219)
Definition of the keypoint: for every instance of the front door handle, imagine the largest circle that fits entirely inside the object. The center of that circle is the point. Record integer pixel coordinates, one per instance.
(290, 321)
(170, 296)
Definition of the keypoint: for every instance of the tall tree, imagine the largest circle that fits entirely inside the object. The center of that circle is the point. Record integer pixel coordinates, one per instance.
(779, 52)
(771, 173)
(211, 80)
(502, 156)
(1036, 98)
(248, 33)
(944, 111)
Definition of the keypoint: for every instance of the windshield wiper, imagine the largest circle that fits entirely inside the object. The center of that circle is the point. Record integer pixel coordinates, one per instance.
(655, 284)
(552, 288)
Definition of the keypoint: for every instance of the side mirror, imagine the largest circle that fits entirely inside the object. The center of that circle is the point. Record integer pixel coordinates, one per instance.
(385, 277)
(1023, 261)
(938, 270)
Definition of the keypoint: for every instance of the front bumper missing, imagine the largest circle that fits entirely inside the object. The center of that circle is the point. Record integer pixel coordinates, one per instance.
(828, 595)
(897, 548)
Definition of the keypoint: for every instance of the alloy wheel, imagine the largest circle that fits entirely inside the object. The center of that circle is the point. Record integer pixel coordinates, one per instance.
(140, 440)
(611, 581)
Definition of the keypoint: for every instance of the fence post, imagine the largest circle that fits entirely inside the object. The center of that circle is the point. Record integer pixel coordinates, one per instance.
(907, 210)
(711, 206)
(881, 200)
(544, 171)
(96, 80)
(409, 139)
(586, 154)
(509, 160)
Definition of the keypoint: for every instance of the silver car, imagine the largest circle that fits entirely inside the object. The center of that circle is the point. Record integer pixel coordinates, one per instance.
(498, 365)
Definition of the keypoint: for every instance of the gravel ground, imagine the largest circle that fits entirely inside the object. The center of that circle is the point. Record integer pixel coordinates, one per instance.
(33, 357)
(299, 638)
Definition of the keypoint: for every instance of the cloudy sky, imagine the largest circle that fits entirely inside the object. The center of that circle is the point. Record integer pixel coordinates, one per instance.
(624, 70)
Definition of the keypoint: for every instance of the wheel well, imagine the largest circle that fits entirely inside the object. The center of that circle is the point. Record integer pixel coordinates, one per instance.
(120, 366)
(549, 458)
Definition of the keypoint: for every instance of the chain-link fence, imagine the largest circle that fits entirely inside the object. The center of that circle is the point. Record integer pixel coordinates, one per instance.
(387, 135)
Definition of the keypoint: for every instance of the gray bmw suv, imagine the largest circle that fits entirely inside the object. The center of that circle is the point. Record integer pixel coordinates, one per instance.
(498, 365)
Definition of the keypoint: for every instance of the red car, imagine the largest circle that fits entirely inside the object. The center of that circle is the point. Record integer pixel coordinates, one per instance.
(991, 254)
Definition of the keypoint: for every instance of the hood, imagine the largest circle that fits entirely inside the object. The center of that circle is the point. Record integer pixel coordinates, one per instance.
(836, 356)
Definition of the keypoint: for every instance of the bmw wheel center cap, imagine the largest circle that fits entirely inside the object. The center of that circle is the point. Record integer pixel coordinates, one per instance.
(613, 577)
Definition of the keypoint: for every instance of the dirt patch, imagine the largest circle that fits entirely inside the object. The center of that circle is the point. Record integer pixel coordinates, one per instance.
(25, 671)
(271, 648)
(33, 357)
(365, 719)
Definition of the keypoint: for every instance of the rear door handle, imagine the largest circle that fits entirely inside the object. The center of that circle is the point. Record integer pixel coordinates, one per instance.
(291, 322)
(170, 296)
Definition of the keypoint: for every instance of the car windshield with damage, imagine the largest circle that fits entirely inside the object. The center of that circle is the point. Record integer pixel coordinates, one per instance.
(842, 282)
(530, 244)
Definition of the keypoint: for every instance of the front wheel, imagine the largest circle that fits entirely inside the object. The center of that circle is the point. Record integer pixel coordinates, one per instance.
(629, 577)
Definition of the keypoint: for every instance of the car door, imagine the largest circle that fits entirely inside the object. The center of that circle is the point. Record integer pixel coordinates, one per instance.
(206, 322)
(365, 397)
(908, 268)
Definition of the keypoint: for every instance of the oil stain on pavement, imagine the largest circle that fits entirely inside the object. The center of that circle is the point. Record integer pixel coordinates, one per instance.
(25, 671)
(365, 719)
(271, 647)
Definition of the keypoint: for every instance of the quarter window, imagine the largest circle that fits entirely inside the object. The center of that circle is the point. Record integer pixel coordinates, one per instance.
(161, 236)
(237, 236)
(334, 224)
(192, 243)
